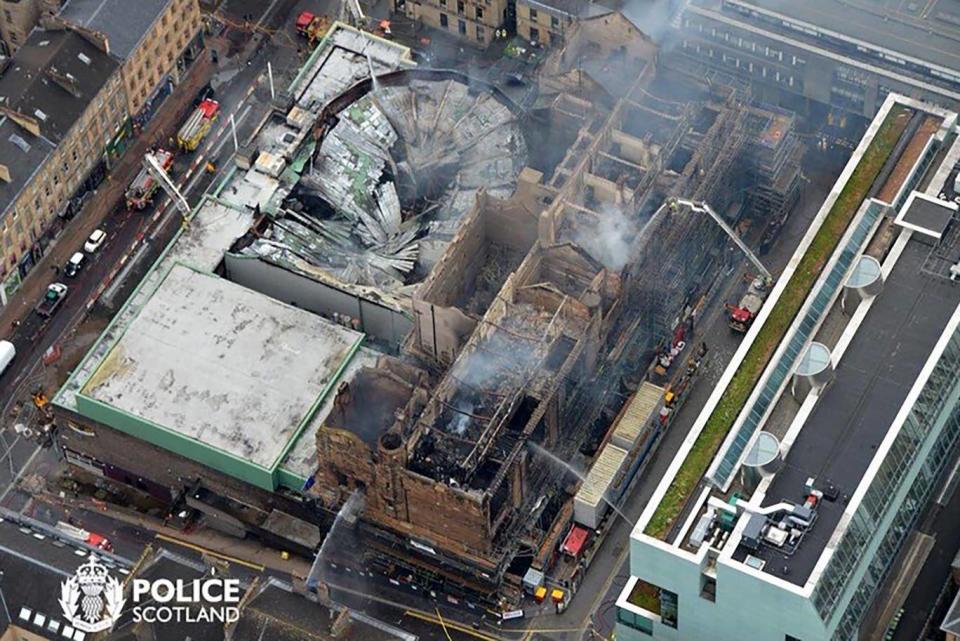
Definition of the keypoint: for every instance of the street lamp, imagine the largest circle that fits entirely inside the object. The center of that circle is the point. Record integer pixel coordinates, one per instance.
(3, 602)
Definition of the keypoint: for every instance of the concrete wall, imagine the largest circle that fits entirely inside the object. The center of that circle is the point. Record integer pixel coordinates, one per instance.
(177, 443)
(536, 22)
(478, 31)
(746, 607)
(55, 182)
(149, 461)
(440, 327)
(379, 322)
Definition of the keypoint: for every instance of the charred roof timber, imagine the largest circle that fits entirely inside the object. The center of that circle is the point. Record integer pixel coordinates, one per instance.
(505, 286)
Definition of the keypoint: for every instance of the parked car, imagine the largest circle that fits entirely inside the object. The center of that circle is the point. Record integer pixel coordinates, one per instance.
(75, 264)
(95, 241)
(52, 299)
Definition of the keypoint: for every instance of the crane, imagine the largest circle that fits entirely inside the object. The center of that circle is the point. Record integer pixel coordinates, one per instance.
(155, 169)
(745, 311)
(703, 208)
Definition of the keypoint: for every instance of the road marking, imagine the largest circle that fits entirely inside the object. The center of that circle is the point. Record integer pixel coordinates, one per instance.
(602, 592)
(19, 475)
(9, 450)
(192, 183)
(442, 624)
(265, 14)
(219, 555)
(456, 626)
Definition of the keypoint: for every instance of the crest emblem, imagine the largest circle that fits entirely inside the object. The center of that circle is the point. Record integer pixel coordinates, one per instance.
(91, 599)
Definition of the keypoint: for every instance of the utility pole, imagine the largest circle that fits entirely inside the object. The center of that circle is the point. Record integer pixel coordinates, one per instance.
(3, 601)
(233, 129)
(273, 95)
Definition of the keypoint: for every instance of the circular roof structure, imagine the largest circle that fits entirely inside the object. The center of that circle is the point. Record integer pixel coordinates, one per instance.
(765, 449)
(866, 272)
(396, 170)
(815, 360)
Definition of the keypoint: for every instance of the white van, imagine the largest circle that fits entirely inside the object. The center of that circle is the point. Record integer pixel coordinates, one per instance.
(7, 352)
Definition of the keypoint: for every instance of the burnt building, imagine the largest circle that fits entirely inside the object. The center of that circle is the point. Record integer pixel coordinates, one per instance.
(416, 293)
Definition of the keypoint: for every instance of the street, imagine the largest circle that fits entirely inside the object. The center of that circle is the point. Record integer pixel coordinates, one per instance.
(135, 239)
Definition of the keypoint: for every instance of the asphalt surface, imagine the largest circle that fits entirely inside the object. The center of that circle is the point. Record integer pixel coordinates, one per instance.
(134, 240)
(944, 526)
(258, 31)
(593, 611)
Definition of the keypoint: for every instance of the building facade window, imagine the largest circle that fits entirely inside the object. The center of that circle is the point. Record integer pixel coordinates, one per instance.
(669, 608)
(462, 27)
(443, 20)
(533, 15)
(635, 621)
(934, 418)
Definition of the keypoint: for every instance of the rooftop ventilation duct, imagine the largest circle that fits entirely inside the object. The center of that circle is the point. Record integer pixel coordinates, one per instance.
(814, 371)
(865, 281)
(763, 460)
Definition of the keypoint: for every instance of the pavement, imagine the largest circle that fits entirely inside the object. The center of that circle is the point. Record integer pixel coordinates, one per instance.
(942, 524)
(135, 239)
(30, 334)
(592, 612)
(239, 80)
(70, 328)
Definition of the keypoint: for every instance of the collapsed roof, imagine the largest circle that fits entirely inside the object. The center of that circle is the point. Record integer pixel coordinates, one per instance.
(387, 187)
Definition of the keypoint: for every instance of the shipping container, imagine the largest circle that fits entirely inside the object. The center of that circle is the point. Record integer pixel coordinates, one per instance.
(589, 505)
(635, 418)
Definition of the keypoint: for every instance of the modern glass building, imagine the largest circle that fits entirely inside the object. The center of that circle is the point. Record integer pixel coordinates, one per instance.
(798, 517)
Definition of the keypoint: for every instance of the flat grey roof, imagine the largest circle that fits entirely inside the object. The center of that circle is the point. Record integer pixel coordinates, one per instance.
(951, 622)
(926, 215)
(840, 437)
(302, 458)
(29, 86)
(880, 29)
(23, 154)
(122, 21)
(221, 364)
(213, 228)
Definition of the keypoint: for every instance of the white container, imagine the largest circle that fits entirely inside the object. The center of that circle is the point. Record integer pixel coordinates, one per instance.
(634, 420)
(590, 503)
(7, 353)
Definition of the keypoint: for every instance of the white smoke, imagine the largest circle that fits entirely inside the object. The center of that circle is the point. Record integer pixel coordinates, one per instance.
(651, 16)
(610, 241)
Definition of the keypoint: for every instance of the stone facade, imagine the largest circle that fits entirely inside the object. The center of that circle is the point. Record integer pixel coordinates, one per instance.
(473, 21)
